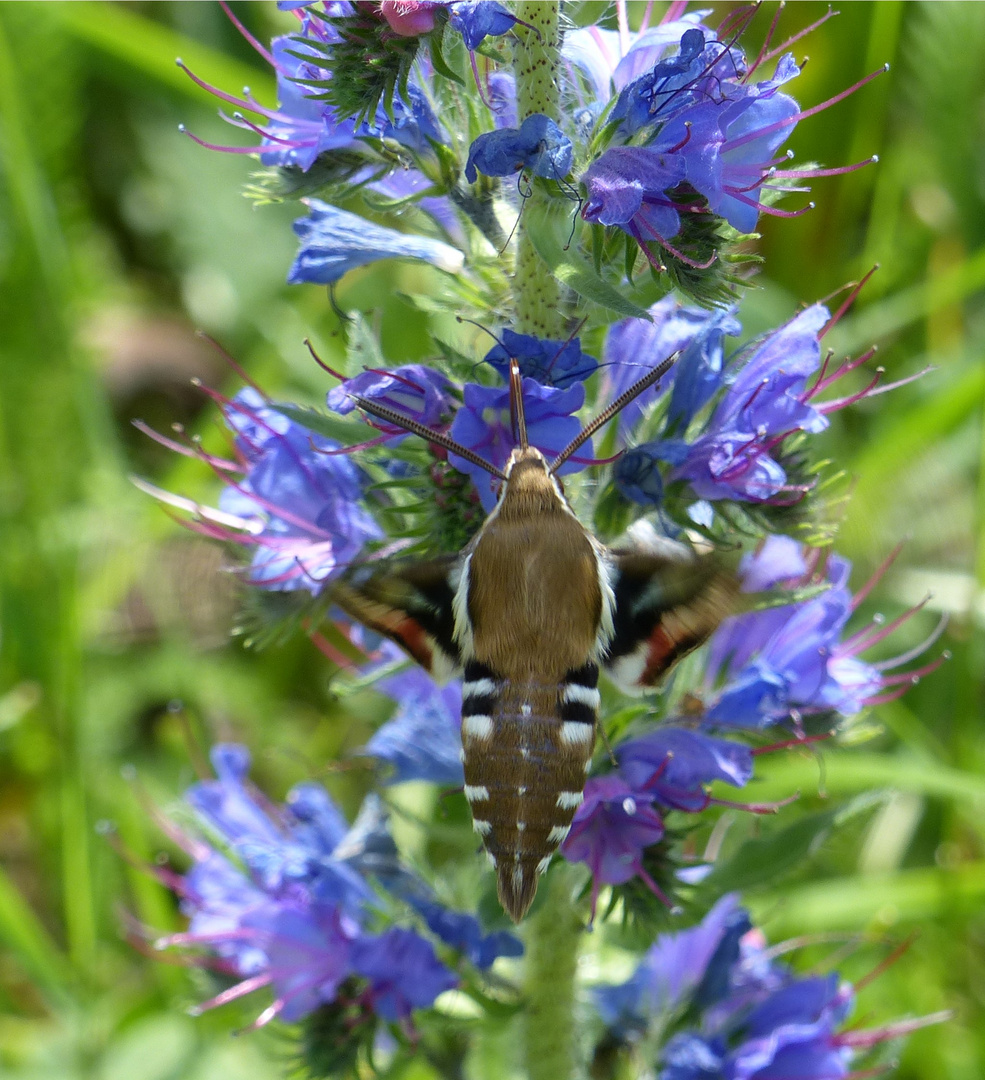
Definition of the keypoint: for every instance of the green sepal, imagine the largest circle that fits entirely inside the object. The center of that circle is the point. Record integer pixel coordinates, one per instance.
(438, 61)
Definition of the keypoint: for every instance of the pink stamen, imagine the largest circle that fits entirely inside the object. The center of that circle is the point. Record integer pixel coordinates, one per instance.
(181, 448)
(913, 677)
(674, 11)
(326, 648)
(839, 170)
(685, 140)
(845, 369)
(805, 740)
(597, 461)
(356, 447)
(757, 808)
(216, 146)
(791, 40)
(227, 356)
(877, 576)
(265, 53)
(767, 41)
(873, 634)
(781, 124)
(874, 1036)
(240, 121)
(917, 650)
(773, 211)
(834, 405)
(653, 886)
(886, 387)
(739, 18)
(847, 303)
(321, 363)
(247, 986)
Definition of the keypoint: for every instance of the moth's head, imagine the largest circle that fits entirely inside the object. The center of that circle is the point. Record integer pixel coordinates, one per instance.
(529, 477)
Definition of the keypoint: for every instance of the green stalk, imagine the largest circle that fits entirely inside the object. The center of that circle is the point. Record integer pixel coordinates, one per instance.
(553, 940)
(536, 293)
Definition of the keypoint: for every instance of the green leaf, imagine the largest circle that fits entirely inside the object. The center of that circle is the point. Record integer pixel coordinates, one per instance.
(362, 347)
(548, 226)
(347, 432)
(765, 858)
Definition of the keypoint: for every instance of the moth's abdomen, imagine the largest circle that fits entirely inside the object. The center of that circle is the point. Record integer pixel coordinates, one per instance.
(526, 746)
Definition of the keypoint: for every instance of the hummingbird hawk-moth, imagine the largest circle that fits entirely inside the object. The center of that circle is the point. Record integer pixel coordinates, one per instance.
(528, 613)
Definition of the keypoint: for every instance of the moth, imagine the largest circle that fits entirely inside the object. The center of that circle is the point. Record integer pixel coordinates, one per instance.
(528, 613)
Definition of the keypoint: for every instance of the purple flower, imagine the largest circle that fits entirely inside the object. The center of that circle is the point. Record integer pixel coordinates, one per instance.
(638, 477)
(551, 363)
(422, 741)
(780, 559)
(309, 950)
(609, 832)
(674, 765)
(767, 399)
(538, 144)
(464, 933)
(598, 54)
(627, 186)
(334, 241)
(476, 20)
(420, 392)
(403, 971)
(483, 425)
(783, 661)
(675, 969)
(729, 145)
(298, 504)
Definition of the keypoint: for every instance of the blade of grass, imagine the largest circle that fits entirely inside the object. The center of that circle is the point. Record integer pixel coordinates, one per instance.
(151, 48)
(29, 943)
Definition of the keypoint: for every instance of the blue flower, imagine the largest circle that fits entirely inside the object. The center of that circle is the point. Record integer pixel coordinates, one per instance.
(422, 740)
(299, 503)
(628, 185)
(674, 764)
(638, 477)
(609, 832)
(551, 363)
(729, 145)
(483, 425)
(634, 346)
(776, 663)
(423, 393)
(767, 399)
(403, 972)
(334, 241)
(309, 950)
(464, 933)
(649, 98)
(779, 559)
(476, 20)
(674, 970)
(538, 144)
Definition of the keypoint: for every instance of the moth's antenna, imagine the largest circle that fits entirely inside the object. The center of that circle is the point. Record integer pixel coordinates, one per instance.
(517, 414)
(617, 406)
(391, 416)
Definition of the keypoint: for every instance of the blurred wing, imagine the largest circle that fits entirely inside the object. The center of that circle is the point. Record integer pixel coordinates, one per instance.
(666, 605)
(410, 603)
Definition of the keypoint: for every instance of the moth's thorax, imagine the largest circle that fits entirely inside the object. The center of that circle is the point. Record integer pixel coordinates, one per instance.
(534, 590)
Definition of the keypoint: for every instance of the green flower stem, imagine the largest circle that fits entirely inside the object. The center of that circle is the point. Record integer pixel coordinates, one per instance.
(553, 933)
(553, 940)
(536, 293)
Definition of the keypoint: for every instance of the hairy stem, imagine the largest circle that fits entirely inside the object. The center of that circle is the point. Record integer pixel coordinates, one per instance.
(536, 293)
(553, 938)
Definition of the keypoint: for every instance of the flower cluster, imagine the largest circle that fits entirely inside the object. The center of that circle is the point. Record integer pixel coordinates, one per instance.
(668, 132)
(787, 666)
(753, 1017)
(406, 137)
(290, 897)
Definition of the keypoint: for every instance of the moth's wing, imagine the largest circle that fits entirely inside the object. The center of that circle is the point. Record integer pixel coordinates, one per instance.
(667, 602)
(409, 602)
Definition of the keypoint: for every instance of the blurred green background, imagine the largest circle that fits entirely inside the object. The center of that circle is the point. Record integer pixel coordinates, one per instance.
(119, 238)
